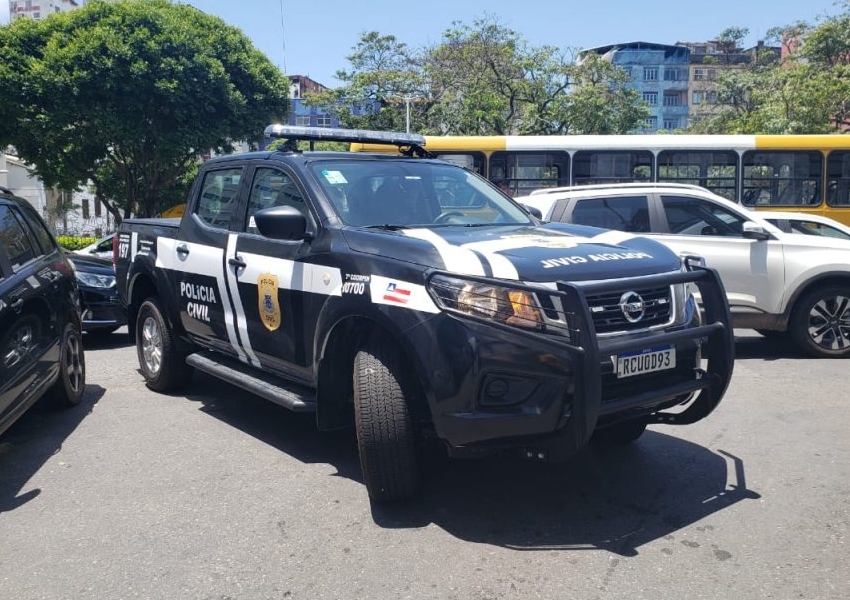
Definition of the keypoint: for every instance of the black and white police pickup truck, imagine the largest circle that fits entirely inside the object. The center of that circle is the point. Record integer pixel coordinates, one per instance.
(412, 298)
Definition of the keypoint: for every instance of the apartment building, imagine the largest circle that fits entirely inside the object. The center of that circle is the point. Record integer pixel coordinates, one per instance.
(38, 9)
(679, 81)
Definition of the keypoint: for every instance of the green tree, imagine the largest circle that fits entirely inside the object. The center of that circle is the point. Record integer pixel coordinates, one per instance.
(127, 94)
(480, 79)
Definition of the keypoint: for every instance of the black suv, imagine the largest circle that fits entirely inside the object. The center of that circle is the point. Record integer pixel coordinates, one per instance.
(41, 349)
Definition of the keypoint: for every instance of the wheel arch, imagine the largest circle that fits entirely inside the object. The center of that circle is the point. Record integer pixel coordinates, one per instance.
(824, 280)
(335, 370)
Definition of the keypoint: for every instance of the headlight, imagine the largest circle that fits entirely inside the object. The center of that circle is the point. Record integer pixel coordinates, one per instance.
(93, 280)
(511, 306)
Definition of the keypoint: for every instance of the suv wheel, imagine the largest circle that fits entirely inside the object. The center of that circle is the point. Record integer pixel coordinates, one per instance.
(163, 366)
(821, 322)
(69, 388)
(385, 432)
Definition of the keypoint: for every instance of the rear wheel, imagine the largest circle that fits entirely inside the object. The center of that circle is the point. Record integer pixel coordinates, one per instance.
(385, 432)
(69, 388)
(618, 434)
(163, 366)
(821, 322)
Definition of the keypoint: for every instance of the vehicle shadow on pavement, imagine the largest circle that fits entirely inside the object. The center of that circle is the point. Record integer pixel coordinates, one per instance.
(106, 341)
(33, 439)
(615, 500)
(775, 347)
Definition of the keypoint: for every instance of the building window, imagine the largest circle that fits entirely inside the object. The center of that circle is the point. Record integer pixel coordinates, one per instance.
(699, 74)
(675, 75)
(712, 73)
(650, 73)
(650, 98)
(323, 121)
(711, 97)
(85, 208)
(97, 209)
(697, 98)
(303, 120)
(628, 71)
(672, 100)
(650, 124)
(671, 124)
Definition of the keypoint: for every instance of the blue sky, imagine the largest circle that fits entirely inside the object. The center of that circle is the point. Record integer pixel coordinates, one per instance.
(313, 38)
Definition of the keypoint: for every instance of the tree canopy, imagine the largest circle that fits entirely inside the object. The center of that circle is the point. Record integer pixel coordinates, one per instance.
(128, 94)
(481, 79)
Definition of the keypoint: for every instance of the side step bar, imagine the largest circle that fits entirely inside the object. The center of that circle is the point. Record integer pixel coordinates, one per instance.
(296, 397)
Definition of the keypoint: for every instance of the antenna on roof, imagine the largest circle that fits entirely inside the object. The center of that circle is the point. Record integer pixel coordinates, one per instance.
(283, 38)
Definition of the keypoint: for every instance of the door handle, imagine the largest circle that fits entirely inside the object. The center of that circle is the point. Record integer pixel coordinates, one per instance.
(182, 249)
(237, 262)
(17, 303)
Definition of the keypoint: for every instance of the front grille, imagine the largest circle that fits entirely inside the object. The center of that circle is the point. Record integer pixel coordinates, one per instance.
(609, 317)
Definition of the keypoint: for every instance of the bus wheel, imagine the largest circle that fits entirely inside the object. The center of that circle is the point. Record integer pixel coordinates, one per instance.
(385, 432)
(820, 323)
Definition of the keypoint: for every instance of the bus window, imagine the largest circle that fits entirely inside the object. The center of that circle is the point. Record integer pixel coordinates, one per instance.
(714, 170)
(525, 172)
(838, 178)
(474, 161)
(782, 178)
(611, 166)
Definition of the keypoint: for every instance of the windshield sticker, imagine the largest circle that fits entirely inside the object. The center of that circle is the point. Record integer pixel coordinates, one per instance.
(575, 260)
(334, 177)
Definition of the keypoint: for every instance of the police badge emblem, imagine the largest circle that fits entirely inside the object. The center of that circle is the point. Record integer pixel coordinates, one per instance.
(267, 298)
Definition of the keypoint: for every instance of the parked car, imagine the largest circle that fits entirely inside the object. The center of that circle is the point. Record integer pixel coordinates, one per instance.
(103, 311)
(775, 281)
(806, 224)
(101, 248)
(41, 349)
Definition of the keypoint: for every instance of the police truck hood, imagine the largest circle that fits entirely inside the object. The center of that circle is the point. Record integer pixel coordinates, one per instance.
(545, 253)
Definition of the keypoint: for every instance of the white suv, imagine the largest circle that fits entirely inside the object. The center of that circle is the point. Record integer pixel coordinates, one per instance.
(776, 282)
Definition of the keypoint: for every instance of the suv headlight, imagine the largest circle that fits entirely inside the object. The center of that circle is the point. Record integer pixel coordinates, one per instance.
(485, 300)
(94, 280)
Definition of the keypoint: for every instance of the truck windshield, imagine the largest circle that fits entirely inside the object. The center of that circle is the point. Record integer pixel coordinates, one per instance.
(413, 193)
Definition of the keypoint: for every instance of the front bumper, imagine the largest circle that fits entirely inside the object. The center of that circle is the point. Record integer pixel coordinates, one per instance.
(493, 386)
(102, 309)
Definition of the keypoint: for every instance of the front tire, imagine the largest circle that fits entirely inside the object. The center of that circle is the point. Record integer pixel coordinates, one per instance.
(162, 365)
(821, 322)
(385, 432)
(68, 390)
(619, 434)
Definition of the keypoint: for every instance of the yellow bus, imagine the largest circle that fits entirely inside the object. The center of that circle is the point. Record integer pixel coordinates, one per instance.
(805, 173)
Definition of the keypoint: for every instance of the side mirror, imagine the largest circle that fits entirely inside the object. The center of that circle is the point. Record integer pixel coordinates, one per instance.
(754, 231)
(534, 211)
(281, 223)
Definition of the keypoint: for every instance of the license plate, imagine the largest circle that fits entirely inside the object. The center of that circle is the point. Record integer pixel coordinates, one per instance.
(646, 361)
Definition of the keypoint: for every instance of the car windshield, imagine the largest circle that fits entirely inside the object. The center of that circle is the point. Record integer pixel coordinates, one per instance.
(413, 193)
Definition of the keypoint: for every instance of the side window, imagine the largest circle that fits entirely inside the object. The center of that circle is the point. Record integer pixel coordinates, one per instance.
(625, 213)
(13, 236)
(694, 216)
(218, 197)
(273, 188)
(40, 232)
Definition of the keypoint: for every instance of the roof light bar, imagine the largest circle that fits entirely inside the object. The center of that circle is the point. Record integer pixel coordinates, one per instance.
(331, 134)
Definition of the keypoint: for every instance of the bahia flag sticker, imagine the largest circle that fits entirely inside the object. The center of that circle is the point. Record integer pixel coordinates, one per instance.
(396, 294)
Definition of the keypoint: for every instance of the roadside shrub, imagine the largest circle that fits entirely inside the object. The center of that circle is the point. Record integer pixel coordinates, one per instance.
(72, 242)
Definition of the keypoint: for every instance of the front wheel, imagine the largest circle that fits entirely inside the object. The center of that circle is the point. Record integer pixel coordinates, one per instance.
(69, 388)
(385, 431)
(618, 434)
(821, 322)
(163, 366)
